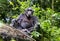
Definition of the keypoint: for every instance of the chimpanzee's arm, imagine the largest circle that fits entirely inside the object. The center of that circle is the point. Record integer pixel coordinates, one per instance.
(16, 22)
(13, 22)
(35, 24)
(20, 18)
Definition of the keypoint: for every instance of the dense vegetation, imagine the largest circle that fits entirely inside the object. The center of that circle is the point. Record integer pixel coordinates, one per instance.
(47, 11)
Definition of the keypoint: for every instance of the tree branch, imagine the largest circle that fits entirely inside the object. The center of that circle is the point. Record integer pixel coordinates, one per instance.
(14, 33)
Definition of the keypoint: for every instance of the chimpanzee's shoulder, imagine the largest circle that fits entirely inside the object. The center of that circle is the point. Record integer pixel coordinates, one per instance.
(21, 15)
(34, 18)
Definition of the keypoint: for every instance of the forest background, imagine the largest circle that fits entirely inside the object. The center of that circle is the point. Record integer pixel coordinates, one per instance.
(47, 11)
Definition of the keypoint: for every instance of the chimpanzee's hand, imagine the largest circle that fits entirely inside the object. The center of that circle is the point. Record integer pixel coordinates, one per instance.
(25, 30)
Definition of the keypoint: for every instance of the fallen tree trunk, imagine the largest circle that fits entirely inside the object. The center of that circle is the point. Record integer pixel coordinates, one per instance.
(14, 33)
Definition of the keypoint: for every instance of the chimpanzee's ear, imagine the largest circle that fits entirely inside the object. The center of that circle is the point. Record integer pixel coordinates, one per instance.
(32, 10)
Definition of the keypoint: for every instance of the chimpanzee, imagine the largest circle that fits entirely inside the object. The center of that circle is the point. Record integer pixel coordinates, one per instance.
(26, 21)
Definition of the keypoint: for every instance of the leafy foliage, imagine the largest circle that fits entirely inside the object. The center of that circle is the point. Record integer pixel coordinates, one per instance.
(47, 12)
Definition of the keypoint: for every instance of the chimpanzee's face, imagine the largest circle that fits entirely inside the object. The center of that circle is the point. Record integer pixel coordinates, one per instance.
(29, 13)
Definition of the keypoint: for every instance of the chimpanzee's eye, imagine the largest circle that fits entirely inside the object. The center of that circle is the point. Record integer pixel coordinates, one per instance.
(29, 10)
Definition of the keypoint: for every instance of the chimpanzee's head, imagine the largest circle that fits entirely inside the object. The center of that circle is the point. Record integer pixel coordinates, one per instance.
(29, 12)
